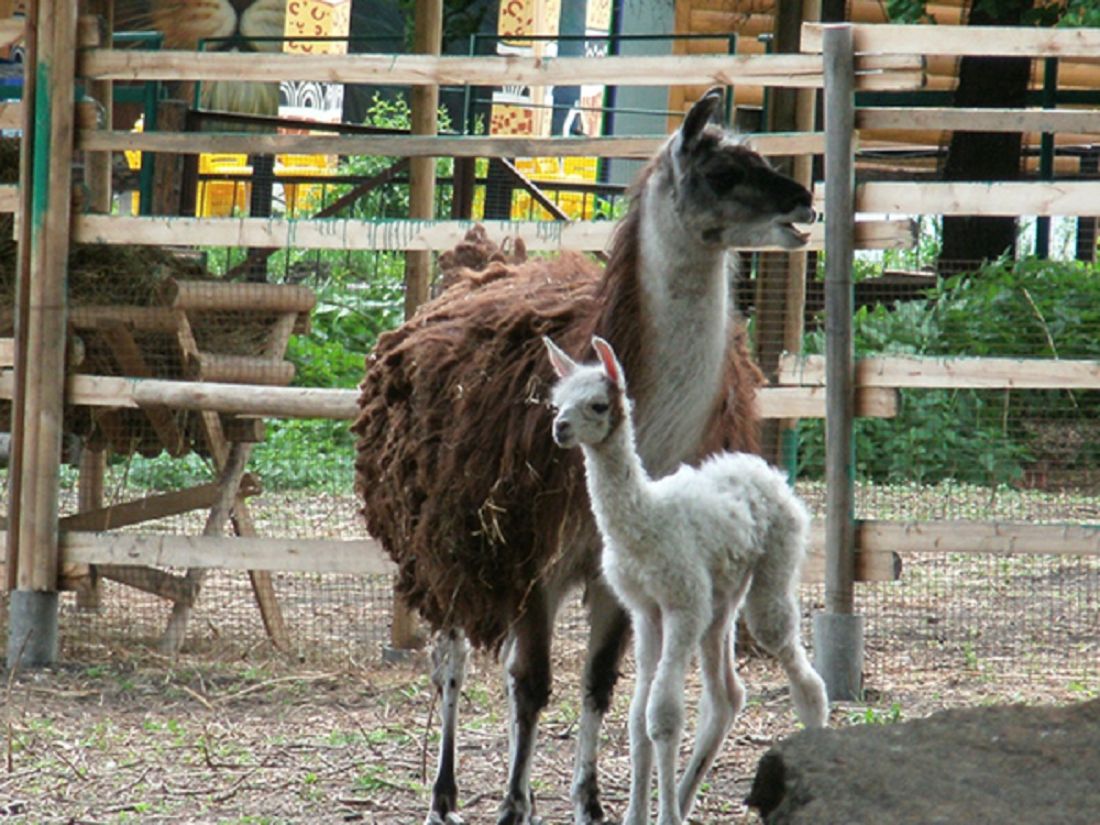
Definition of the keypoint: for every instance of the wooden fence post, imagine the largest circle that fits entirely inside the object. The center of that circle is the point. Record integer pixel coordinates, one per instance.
(41, 309)
(427, 39)
(838, 633)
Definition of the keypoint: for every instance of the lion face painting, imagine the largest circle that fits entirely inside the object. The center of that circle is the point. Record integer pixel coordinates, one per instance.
(186, 23)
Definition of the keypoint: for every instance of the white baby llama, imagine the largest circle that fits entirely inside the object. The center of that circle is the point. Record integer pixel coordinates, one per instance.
(682, 553)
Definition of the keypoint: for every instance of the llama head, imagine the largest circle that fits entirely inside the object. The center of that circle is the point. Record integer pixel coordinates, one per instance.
(726, 194)
(590, 399)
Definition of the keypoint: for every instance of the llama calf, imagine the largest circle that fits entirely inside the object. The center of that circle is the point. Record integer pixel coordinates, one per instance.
(683, 553)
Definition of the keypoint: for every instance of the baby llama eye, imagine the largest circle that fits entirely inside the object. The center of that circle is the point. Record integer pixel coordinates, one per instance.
(599, 408)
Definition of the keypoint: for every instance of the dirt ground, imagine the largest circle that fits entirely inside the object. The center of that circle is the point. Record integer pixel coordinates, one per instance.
(231, 732)
(145, 739)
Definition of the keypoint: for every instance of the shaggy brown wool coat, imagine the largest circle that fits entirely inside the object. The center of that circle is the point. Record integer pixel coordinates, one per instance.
(459, 477)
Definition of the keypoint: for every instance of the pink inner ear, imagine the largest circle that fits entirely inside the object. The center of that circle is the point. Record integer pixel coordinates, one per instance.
(607, 358)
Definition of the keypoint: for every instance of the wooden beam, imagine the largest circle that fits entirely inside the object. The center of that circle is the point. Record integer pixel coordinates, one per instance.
(7, 352)
(1076, 121)
(953, 41)
(11, 115)
(873, 72)
(400, 235)
(154, 507)
(216, 296)
(984, 537)
(999, 198)
(809, 402)
(240, 369)
(41, 362)
(900, 371)
(236, 399)
(11, 30)
(363, 557)
(790, 143)
(131, 361)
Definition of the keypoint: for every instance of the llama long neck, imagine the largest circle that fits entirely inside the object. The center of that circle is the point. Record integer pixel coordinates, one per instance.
(684, 303)
(617, 482)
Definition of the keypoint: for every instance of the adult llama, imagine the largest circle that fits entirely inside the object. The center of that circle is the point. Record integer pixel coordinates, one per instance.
(487, 520)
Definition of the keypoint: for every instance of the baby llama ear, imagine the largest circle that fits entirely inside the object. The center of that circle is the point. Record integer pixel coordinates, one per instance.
(609, 361)
(563, 365)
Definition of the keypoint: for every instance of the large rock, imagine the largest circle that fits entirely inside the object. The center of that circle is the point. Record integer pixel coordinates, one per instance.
(995, 765)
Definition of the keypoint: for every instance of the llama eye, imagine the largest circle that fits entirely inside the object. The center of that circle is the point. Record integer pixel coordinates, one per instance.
(724, 180)
(599, 408)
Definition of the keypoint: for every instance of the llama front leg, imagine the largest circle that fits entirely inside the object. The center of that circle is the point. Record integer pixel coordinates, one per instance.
(528, 668)
(647, 651)
(609, 628)
(722, 699)
(449, 653)
(665, 710)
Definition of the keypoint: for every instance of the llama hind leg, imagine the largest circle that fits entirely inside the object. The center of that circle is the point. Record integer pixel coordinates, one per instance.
(722, 699)
(528, 670)
(609, 630)
(771, 613)
(449, 652)
(647, 650)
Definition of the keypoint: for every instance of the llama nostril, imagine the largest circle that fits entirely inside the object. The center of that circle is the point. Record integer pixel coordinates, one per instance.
(561, 431)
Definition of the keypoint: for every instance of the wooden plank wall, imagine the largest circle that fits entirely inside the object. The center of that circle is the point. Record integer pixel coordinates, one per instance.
(751, 18)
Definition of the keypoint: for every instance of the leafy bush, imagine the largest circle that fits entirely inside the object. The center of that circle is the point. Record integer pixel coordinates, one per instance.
(1025, 309)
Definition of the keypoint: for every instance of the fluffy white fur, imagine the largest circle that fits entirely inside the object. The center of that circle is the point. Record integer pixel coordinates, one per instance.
(684, 553)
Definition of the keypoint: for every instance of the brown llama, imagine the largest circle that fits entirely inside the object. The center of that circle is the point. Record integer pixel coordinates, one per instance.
(488, 522)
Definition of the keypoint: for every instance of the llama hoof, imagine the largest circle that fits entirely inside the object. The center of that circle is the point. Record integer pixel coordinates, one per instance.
(448, 819)
(517, 818)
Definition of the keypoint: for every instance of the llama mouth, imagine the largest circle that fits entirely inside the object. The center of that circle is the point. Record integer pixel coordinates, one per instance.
(796, 234)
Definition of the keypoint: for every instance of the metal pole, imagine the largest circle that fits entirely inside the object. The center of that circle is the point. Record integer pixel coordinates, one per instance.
(838, 633)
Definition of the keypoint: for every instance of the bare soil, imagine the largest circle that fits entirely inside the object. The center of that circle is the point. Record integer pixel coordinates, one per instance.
(146, 739)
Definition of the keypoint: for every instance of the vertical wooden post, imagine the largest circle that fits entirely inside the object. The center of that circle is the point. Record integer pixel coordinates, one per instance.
(781, 276)
(93, 469)
(40, 336)
(97, 165)
(427, 39)
(838, 633)
(168, 171)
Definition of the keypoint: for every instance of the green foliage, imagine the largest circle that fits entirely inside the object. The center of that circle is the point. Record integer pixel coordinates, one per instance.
(875, 716)
(1045, 13)
(1026, 309)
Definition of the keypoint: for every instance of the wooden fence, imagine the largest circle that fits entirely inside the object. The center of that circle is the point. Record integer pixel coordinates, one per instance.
(884, 58)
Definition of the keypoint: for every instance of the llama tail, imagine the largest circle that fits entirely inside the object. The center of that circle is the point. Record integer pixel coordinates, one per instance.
(773, 617)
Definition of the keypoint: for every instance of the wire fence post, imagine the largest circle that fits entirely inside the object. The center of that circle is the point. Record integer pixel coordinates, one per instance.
(838, 632)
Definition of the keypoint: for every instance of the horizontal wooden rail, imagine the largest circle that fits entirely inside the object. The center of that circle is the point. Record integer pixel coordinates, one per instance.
(9, 198)
(362, 557)
(879, 544)
(11, 30)
(902, 372)
(11, 115)
(986, 537)
(401, 235)
(642, 147)
(873, 72)
(250, 400)
(956, 41)
(1063, 121)
(809, 402)
(927, 198)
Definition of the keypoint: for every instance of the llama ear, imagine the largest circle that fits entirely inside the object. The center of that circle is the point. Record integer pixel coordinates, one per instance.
(699, 114)
(563, 365)
(609, 361)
